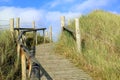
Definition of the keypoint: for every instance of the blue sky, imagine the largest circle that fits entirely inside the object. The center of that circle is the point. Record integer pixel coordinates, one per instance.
(47, 12)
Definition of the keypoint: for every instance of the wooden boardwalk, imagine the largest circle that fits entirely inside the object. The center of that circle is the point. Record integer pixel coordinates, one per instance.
(57, 66)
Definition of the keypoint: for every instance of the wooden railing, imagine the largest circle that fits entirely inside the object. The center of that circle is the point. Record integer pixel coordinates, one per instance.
(75, 34)
(72, 32)
(31, 69)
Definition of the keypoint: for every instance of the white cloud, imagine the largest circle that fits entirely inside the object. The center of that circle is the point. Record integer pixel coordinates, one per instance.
(47, 18)
(27, 15)
(42, 17)
(90, 4)
(55, 3)
(115, 12)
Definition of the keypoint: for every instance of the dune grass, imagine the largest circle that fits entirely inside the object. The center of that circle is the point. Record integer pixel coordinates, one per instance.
(100, 55)
(8, 69)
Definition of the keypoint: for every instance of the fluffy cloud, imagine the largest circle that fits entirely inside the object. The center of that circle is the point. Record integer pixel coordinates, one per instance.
(90, 4)
(46, 18)
(27, 15)
(55, 3)
(41, 17)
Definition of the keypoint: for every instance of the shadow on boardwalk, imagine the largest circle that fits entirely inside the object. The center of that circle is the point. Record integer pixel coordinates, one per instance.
(43, 72)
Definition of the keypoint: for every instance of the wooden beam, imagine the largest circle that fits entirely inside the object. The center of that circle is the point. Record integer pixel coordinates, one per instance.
(70, 31)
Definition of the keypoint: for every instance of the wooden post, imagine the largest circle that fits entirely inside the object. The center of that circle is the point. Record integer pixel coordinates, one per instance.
(50, 34)
(29, 68)
(62, 22)
(33, 24)
(23, 64)
(18, 45)
(78, 36)
(43, 36)
(12, 27)
(35, 33)
(17, 25)
(46, 34)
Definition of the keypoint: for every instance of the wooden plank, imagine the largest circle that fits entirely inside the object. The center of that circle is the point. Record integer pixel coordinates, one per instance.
(30, 29)
(78, 36)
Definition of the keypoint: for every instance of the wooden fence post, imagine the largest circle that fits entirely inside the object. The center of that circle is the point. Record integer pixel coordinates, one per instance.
(50, 34)
(35, 33)
(78, 36)
(12, 27)
(44, 36)
(23, 64)
(17, 33)
(18, 45)
(17, 25)
(62, 22)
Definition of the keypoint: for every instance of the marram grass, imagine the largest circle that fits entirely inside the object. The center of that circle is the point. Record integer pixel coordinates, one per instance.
(8, 56)
(100, 57)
